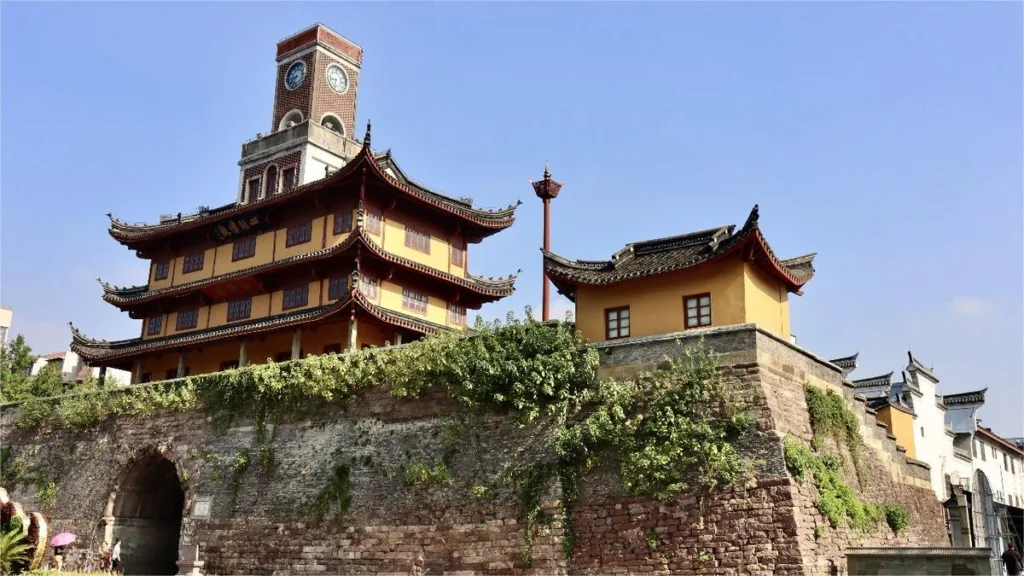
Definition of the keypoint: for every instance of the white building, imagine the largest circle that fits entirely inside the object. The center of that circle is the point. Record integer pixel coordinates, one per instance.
(978, 475)
(74, 369)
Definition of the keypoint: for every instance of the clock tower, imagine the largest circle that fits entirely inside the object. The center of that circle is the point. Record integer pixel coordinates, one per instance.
(314, 115)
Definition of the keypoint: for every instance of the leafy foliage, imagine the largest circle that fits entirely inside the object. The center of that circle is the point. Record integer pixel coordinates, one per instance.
(832, 418)
(14, 550)
(418, 473)
(837, 501)
(897, 517)
(336, 496)
(47, 493)
(238, 468)
(672, 430)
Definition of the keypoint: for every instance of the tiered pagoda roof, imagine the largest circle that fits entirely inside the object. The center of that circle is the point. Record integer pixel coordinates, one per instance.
(353, 301)
(652, 257)
(481, 222)
(488, 289)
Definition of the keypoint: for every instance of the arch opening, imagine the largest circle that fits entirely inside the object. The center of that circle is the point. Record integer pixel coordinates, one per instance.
(290, 119)
(332, 123)
(147, 516)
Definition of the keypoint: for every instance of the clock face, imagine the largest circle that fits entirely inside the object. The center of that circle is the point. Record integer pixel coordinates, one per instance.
(336, 78)
(295, 75)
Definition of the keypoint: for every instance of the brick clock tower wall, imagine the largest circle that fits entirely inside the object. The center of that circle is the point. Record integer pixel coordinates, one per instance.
(320, 49)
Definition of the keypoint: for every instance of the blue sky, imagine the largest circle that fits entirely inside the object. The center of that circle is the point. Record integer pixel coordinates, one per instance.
(887, 137)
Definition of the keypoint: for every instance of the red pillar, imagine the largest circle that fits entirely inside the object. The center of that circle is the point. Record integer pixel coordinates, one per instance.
(547, 190)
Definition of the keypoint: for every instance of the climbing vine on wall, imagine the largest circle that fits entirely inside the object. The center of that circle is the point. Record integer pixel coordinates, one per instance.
(831, 417)
(671, 431)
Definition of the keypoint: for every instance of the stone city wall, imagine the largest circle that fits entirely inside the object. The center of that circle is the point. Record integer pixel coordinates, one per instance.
(247, 519)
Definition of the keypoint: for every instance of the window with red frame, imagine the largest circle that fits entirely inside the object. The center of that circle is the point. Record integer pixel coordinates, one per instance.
(616, 322)
(698, 310)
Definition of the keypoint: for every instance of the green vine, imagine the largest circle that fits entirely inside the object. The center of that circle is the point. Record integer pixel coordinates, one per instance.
(238, 469)
(420, 474)
(837, 501)
(831, 417)
(336, 496)
(47, 493)
(532, 481)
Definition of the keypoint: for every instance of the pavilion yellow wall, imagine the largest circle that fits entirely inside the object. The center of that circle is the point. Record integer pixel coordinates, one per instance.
(656, 303)
(264, 254)
(391, 298)
(901, 425)
(277, 299)
(270, 247)
(766, 301)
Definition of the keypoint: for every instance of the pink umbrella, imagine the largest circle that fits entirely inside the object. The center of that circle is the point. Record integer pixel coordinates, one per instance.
(63, 539)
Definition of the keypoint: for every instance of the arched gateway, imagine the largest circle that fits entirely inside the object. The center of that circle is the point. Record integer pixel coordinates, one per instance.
(147, 510)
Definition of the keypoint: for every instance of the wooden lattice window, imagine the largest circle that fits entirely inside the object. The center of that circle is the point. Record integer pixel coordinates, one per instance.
(616, 322)
(414, 301)
(417, 240)
(343, 222)
(154, 325)
(295, 297)
(457, 314)
(298, 234)
(369, 286)
(698, 310)
(239, 309)
(187, 319)
(288, 180)
(244, 248)
(373, 223)
(162, 270)
(193, 262)
(458, 256)
(336, 287)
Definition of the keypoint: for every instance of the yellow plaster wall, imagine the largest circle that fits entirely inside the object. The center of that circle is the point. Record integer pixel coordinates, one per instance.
(159, 365)
(314, 341)
(209, 357)
(901, 425)
(264, 254)
(766, 301)
(270, 246)
(656, 303)
(266, 346)
(394, 242)
(372, 335)
(391, 298)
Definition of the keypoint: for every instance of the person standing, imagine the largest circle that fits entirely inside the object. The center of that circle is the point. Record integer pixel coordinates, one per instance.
(58, 557)
(1012, 561)
(115, 556)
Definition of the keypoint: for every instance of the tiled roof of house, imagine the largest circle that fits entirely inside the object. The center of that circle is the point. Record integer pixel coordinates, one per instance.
(54, 356)
(846, 362)
(102, 350)
(651, 257)
(496, 219)
(972, 397)
(879, 402)
(1007, 444)
(492, 288)
(883, 380)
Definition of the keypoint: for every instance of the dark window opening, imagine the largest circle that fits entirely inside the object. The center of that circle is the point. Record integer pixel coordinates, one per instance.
(187, 320)
(156, 323)
(239, 309)
(295, 297)
(163, 269)
(193, 262)
(298, 234)
(244, 248)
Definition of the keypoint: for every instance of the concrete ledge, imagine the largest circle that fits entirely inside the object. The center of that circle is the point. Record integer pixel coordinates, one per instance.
(895, 551)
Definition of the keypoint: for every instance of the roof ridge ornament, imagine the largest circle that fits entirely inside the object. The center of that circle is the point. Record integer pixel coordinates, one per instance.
(366, 137)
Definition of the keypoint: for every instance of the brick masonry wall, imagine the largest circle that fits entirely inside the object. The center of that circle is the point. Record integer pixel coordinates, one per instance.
(282, 162)
(300, 98)
(765, 527)
(327, 101)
